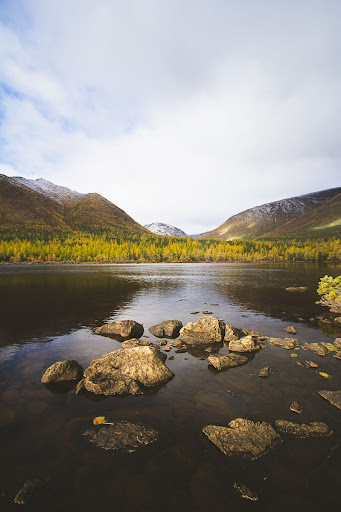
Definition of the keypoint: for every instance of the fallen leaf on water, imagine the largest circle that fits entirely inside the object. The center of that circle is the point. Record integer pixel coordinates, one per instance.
(293, 355)
(325, 375)
(297, 348)
(99, 420)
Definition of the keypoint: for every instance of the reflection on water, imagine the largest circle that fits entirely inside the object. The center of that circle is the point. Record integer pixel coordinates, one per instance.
(48, 314)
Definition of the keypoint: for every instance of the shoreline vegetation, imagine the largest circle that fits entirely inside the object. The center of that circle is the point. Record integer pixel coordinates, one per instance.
(83, 247)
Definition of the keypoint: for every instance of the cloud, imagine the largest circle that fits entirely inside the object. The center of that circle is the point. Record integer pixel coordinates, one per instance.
(179, 112)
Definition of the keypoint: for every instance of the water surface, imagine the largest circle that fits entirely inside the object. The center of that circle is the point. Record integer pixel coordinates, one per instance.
(48, 313)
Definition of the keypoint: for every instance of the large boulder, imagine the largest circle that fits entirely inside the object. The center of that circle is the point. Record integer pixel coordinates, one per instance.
(317, 348)
(287, 343)
(122, 329)
(302, 430)
(167, 329)
(243, 437)
(224, 361)
(121, 435)
(63, 371)
(246, 344)
(206, 329)
(126, 371)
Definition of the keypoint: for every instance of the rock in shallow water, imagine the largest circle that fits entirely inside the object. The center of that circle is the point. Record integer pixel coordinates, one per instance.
(314, 429)
(296, 407)
(126, 371)
(123, 329)
(30, 488)
(222, 361)
(62, 371)
(122, 435)
(244, 491)
(334, 397)
(243, 437)
(290, 329)
(166, 329)
(246, 344)
(287, 343)
(207, 329)
(265, 372)
(317, 348)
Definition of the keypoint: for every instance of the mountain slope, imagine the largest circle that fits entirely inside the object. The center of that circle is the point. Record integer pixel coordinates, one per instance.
(264, 219)
(164, 229)
(38, 205)
(325, 220)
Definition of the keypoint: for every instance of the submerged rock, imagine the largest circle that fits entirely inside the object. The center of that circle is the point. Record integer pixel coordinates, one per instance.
(123, 329)
(246, 344)
(296, 289)
(243, 437)
(244, 491)
(223, 361)
(134, 342)
(317, 348)
(302, 430)
(287, 343)
(338, 354)
(290, 329)
(122, 435)
(232, 333)
(334, 397)
(296, 407)
(29, 488)
(124, 371)
(206, 329)
(62, 371)
(308, 364)
(166, 329)
(265, 372)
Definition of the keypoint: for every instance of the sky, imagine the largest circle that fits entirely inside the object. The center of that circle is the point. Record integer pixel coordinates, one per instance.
(178, 111)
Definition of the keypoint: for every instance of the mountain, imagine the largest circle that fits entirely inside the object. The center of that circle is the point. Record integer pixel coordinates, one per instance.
(273, 219)
(38, 205)
(164, 229)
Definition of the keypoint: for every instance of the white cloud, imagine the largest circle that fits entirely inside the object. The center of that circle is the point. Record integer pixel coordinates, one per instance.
(178, 112)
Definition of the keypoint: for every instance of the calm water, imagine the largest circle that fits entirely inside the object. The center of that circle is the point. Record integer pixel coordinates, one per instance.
(48, 313)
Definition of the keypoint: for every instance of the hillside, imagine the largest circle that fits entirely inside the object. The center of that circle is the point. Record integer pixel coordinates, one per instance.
(38, 205)
(164, 229)
(265, 219)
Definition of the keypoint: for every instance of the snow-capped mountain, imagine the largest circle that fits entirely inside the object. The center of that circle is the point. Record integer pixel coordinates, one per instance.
(49, 189)
(164, 229)
(268, 217)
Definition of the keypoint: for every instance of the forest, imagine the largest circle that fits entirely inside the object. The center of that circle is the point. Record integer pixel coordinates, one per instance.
(116, 248)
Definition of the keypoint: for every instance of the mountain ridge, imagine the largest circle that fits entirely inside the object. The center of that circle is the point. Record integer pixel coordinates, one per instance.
(159, 228)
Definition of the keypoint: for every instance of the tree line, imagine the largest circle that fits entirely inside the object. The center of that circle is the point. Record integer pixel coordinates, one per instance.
(112, 248)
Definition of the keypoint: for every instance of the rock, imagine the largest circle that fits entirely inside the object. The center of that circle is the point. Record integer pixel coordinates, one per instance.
(167, 349)
(206, 312)
(302, 430)
(265, 372)
(122, 435)
(337, 343)
(317, 348)
(244, 491)
(334, 397)
(62, 371)
(290, 329)
(123, 329)
(167, 329)
(162, 342)
(296, 407)
(338, 354)
(177, 344)
(124, 371)
(195, 312)
(205, 330)
(263, 346)
(243, 437)
(232, 333)
(287, 343)
(222, 361)
(258, 335)
(29, 488)
(337, 320)
(134, 342)
(296, 289)
(246, 344)
(232, 393)
(308, 364)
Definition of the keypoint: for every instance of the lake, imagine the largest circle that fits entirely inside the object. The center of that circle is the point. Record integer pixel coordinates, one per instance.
(48, 313)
